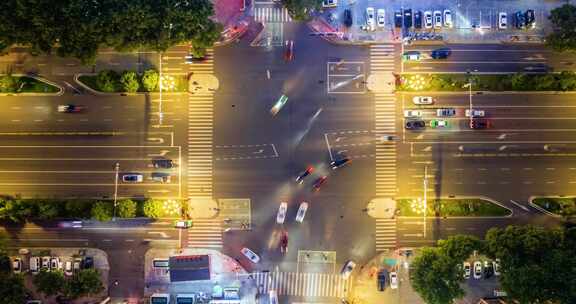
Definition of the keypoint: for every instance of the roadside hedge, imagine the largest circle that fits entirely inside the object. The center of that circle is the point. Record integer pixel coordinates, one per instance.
(564, 81)
(453, 207)
(23, 84)
(110, 81)
(563, 206)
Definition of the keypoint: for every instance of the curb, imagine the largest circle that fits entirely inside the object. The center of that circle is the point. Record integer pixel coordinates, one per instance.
(463, 217)
(44, 80)
(535, 206)
(95, 92)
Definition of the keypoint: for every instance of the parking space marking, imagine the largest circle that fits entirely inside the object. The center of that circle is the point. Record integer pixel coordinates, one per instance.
(245, 152)
(358, 80)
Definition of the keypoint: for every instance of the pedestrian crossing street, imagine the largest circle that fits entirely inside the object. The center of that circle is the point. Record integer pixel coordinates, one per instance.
(271, 14)
(205, 233)
(200, 135)
(382, 62)
(302, 284)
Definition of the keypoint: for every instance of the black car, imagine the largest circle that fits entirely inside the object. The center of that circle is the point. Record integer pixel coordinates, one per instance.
(529, 16)
(408, 18)
(398, 18)
(163, 163)
(339, 162)
(479, 124)
(442, 53)
(418, 19)
(415, 124)
(519, 20)
(382, 274)
(347, 18)
(88, 262)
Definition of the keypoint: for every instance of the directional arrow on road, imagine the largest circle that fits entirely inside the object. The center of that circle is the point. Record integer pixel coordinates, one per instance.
(427, 149)
(162, 234)
(162, 153)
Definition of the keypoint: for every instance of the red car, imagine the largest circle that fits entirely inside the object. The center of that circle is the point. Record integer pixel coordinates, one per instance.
(289, 53)
(303, 175)
(319, 182)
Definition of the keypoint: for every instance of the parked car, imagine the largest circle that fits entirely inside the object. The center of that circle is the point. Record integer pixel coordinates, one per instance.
(519, 20)
(281, 216)
(422, 100)
(347, 269)
(370, 22)
(329, 3)
(348, 18)
(445, 112)
(414, 124)
(393, 280)
(253, 257)
(418, 19)
(88, 262)
(68, 268)
(408, 18)
(35, 265)
(16, 265)
(477, 270)
(448, 18)
(76, 266)
(55, 264)
(46, 263)
(437, 19)
(502, 21)
(412, 113)
(382, 274)
(467, 270)
(398, 19)
(132, 177)
(530, 18)
(301, 212)
(381, 17)
(488, 270)
(428, 19)
(496, 264)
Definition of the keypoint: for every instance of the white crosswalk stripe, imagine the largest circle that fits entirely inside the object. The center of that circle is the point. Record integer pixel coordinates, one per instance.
(382, 62)
(303, 284)
(271, 14)
(205, 233)
(200, 136)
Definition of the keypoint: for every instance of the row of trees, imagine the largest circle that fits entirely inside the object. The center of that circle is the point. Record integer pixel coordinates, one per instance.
(537, 264)
(127, 81)
(19, 210)
(77, 28)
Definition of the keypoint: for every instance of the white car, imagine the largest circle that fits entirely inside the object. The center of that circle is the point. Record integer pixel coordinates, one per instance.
(467, 270)
(422, 100)
(347, 269)
(496, 264)
(502, 21)
(370, 18)
(477, 270)
(281, 216)
(273, 297)
(46, 263)
(254, 258)
(437, 19)
(393, 280)
(428, 19)
(330, 3)
(475, 113)
(412, 113)
(68, 268)
(301, 212)
(381, 17)
(34, 265)
(16, 265)
(448, 18)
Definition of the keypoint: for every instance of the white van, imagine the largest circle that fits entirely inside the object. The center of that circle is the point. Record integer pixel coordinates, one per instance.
(34, 265)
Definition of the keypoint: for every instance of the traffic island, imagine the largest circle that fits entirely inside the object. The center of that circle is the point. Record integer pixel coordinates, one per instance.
(27, 85)
(556, 206)
(451, 207)
(130, 83)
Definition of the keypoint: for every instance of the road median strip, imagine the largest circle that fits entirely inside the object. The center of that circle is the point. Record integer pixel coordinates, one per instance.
(556, 206)
(451, 207)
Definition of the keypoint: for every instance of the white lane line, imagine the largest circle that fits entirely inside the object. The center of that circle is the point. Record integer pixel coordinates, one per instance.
(520, 206)
(329, 149)
(275, 151)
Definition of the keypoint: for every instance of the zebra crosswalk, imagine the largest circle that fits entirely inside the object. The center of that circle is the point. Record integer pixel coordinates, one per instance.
(205, 233)
(266, 14)
(302, 284)
(382, 63)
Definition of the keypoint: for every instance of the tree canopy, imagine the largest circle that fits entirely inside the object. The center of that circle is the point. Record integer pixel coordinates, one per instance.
(49, 282)
(76, 28)
(301, 9)
(563, 36)
(85, 282)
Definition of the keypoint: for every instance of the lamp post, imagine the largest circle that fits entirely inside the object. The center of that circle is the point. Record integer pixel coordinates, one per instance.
(116, 170)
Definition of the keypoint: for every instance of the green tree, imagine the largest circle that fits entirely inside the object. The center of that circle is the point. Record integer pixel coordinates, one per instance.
(129, 81)
(8, 83)
(301, 9)
(518, 81)
(12, 289)
(86, 282)
(435, 277)
(15, 210)
(127, 208)
(150, 80)
(106, 80)
(152, 208)
(48, 210)
(563, 35)
(459, 247)
(78, 208)
(102, 211)
(546, 82)
(567, 81)
(49, 282)
(5, 265)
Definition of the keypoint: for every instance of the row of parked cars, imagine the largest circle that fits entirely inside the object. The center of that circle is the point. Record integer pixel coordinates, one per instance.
(481, 269)
(50, 263)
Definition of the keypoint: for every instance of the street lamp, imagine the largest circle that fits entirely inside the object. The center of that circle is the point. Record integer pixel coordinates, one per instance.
(116, 169)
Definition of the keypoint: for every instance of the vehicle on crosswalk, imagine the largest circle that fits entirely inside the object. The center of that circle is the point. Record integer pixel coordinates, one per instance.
(300, 178)
(272, 297)
(412, 113)
(249, 254)
(347, 269)
(393, 280)
(301, 212)
(422, 100)
(279, 105)
(318, 183)
(281, 216)
(183, 224)
(191, 59)
(70, 108)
